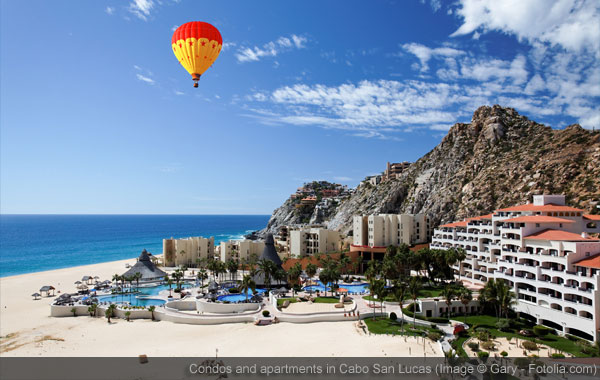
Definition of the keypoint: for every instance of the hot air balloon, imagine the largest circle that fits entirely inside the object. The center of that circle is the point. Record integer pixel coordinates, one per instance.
(196, 45)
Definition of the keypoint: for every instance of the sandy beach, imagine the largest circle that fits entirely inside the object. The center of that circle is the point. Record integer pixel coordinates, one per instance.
(27, 329)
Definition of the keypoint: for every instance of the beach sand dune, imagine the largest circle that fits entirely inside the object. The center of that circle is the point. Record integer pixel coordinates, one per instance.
(26, 329)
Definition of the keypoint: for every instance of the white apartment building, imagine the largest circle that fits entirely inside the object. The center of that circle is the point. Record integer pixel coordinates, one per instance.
(178, 252)
(390, 229)
(310, 241)
(544, 252)
(239, 249)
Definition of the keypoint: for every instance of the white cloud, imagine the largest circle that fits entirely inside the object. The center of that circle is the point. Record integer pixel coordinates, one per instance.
(141, 8)
(270, 49)
(546, 83)
(572, 24)
(179, 93)
(109, 10)
(144, 78)
(424, 53)
(228, 45)
(434, 4)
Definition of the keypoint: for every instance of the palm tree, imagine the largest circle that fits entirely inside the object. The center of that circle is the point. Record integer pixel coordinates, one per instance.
(232, 267)
(92, 309)
(377, 287)
(116, 278)
(358, 262)
(465, 295)
(109, 311)
(414, 286)
(344, 262)
(399, 292)
(137, 276)
(311, 270)
(506, 297)
(293, 276)
(74, 311)
(448, 294)
(170, 283)
(267, 268)
(325, 278)
(247, 283)
(128, 314)
(151, 310)
(202, 275)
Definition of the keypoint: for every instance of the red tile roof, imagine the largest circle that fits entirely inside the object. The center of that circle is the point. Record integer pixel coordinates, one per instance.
(548, 207)
(455, 224)
(537, 219)
(589, 262)
(591, 217)
(550, 234)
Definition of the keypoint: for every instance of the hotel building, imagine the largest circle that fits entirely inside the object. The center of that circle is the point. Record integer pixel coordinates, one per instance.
(371, 234)
(544, 252)
(178, 252)
(309, 241)
(239, 249)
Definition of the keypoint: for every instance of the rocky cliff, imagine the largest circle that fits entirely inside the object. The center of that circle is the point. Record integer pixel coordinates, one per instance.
(499, 159)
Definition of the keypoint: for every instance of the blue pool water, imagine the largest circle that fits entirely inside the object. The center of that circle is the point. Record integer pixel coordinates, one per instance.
(131, 299)
(239, 296)
(143, 291)
(33, 243)
(354, 288)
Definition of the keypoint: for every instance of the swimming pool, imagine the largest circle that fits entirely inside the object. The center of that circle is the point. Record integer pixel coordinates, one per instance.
(130, 299)
(351, 288)
(239, 297)
(143, 291)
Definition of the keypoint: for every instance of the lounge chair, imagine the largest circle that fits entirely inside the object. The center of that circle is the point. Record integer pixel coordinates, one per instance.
(286, 303)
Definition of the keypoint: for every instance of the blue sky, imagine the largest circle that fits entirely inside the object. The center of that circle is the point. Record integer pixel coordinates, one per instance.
(97, 116)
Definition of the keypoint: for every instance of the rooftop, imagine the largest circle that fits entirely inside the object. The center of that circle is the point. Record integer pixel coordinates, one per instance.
(591, 217)
(558, 235)
(589, 262)
(547, 207)
(538, 219)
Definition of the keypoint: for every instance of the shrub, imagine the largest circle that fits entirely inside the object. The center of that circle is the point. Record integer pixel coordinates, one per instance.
(234, 290)
(437, 319)
(571, 337)
(540, 330)
(557, 356)
(482, 334)
(434, 336)
(474, 346)
(529, 346)
(490, 346)
(504, 354)
(393, 316)
(266, 313)
(483, 355)
(503, 325)
(585, 347)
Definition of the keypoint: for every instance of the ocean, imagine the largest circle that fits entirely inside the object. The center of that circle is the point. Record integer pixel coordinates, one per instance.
(33, 243)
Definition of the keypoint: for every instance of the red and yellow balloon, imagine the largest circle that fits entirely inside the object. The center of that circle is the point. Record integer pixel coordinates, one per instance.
(196, 45)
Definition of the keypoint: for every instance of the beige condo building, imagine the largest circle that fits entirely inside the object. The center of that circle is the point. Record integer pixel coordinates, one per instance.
(240, 249)
(310, 241)
(187, 251)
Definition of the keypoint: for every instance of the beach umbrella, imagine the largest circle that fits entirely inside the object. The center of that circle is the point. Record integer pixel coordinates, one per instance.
(36, 295)
(96, 278)
(82, 287)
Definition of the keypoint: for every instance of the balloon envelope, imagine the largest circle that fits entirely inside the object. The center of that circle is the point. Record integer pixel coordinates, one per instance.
(196, 45)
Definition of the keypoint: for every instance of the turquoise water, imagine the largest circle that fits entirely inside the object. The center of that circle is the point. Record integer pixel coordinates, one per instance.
(33, 243)
(131, 299)
(239, 296)
(354, 288)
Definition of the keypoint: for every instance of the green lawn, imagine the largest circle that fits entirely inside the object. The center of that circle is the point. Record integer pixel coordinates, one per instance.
(327, 300)
(554, 341)
(387, 326)
(280, 301)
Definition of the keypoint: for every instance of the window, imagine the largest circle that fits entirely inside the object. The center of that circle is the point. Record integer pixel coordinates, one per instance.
(537, 224)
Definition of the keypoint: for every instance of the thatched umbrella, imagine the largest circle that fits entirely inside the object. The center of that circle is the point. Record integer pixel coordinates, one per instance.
(96, 277)
(77, 282)
(36, 296)
(82, 287)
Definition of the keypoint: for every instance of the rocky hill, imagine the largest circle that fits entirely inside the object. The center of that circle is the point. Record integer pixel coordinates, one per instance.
(499, 159)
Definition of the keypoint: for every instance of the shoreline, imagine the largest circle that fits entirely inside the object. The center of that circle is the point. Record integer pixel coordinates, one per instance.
(27, 330)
